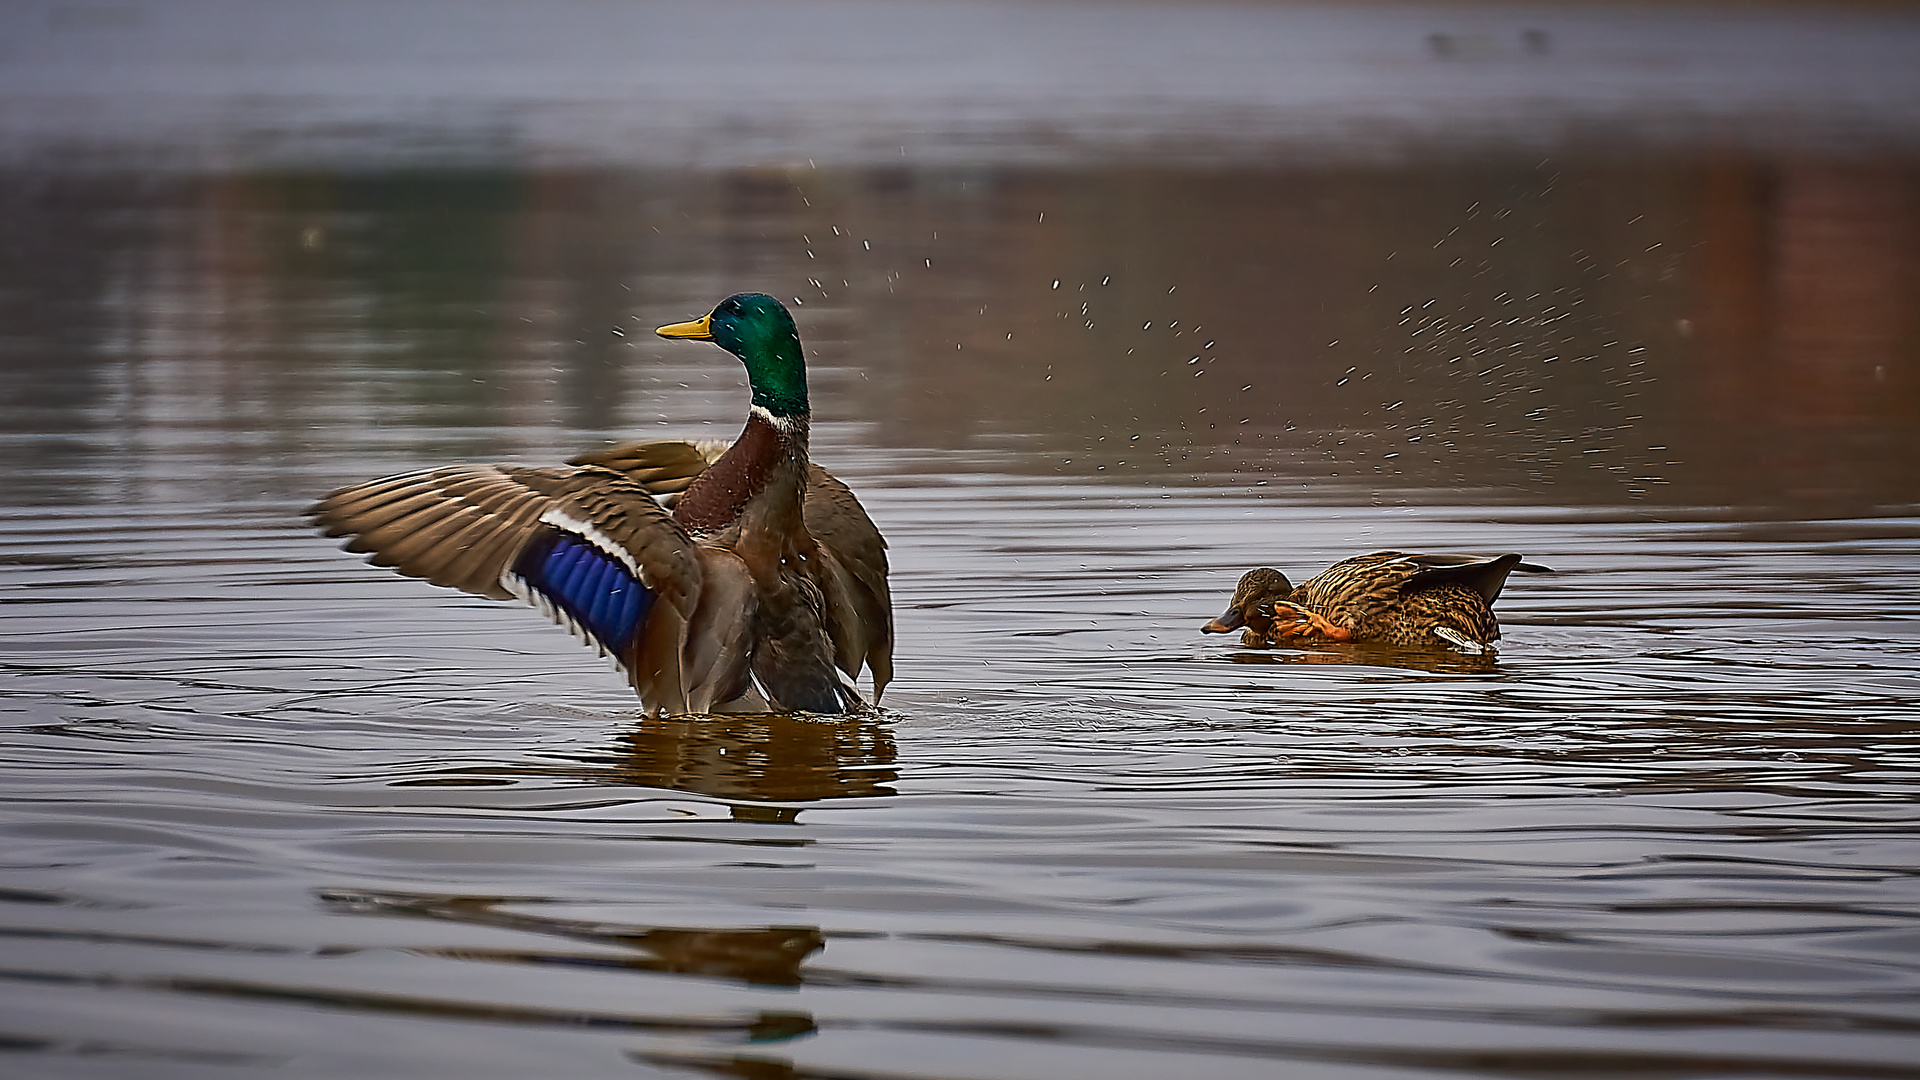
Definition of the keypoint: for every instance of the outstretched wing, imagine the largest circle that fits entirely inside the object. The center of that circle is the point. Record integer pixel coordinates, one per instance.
(588, 546)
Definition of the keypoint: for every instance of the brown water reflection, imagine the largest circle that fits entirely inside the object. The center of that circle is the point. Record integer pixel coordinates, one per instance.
(755, 956)
(1721, 331)
(750, 758)
(782, 758)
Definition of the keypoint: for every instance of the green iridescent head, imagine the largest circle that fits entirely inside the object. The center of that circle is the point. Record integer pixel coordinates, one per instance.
(756, 328)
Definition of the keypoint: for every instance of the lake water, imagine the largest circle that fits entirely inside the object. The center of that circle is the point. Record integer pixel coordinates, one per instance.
(1098, 316)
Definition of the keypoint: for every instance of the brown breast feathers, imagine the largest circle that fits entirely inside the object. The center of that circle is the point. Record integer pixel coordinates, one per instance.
(717, 496)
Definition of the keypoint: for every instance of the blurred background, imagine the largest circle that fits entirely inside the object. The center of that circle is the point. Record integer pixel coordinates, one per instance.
(1597, 253)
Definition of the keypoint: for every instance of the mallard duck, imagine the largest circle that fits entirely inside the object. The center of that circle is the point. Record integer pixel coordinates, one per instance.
(762, 589)
(1388, 597)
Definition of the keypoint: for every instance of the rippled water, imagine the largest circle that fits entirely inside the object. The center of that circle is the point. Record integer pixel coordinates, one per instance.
(271, 812)
(268, 811)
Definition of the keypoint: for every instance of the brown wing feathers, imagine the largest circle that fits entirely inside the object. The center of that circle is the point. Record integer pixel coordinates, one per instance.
(859, 606)
(461, 526)
(663, 468)
(454, 526)
(468, 526)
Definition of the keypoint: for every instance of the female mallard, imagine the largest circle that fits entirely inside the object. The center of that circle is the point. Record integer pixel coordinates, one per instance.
(1389, 597)
(773, 578)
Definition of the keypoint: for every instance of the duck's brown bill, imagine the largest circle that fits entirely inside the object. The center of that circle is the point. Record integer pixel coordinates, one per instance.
(1228, 621)
(700, 329)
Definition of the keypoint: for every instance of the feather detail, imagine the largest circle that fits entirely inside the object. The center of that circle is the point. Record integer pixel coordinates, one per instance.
(1459, 641)
(1390, 597)
(583, 580)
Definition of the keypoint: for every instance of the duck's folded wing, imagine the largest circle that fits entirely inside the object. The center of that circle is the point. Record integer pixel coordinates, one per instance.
(588, 546)
(1486, 575)
(1361, 588)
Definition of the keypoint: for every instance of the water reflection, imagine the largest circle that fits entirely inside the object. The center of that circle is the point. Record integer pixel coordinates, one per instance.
(1727, 330)
(743, 760)
(745, 1068)
(761, 758)
(1439, 663)
(1805, 327)
(754, 955)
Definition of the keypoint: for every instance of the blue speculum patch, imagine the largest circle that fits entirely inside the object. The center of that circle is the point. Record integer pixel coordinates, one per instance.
(594, 587)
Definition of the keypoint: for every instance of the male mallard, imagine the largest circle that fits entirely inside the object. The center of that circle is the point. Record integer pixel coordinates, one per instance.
(773, 578)
(1390, 597)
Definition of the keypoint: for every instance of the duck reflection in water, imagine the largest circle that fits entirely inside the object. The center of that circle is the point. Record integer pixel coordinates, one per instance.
(757, 955)
(1430, 660)
(761, 758)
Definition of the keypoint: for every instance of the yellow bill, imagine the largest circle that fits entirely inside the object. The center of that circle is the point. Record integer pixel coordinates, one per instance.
(700, 329)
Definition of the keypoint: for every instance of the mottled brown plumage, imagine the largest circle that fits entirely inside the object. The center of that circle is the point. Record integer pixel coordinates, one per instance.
(722, 577)
(1388, 597)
